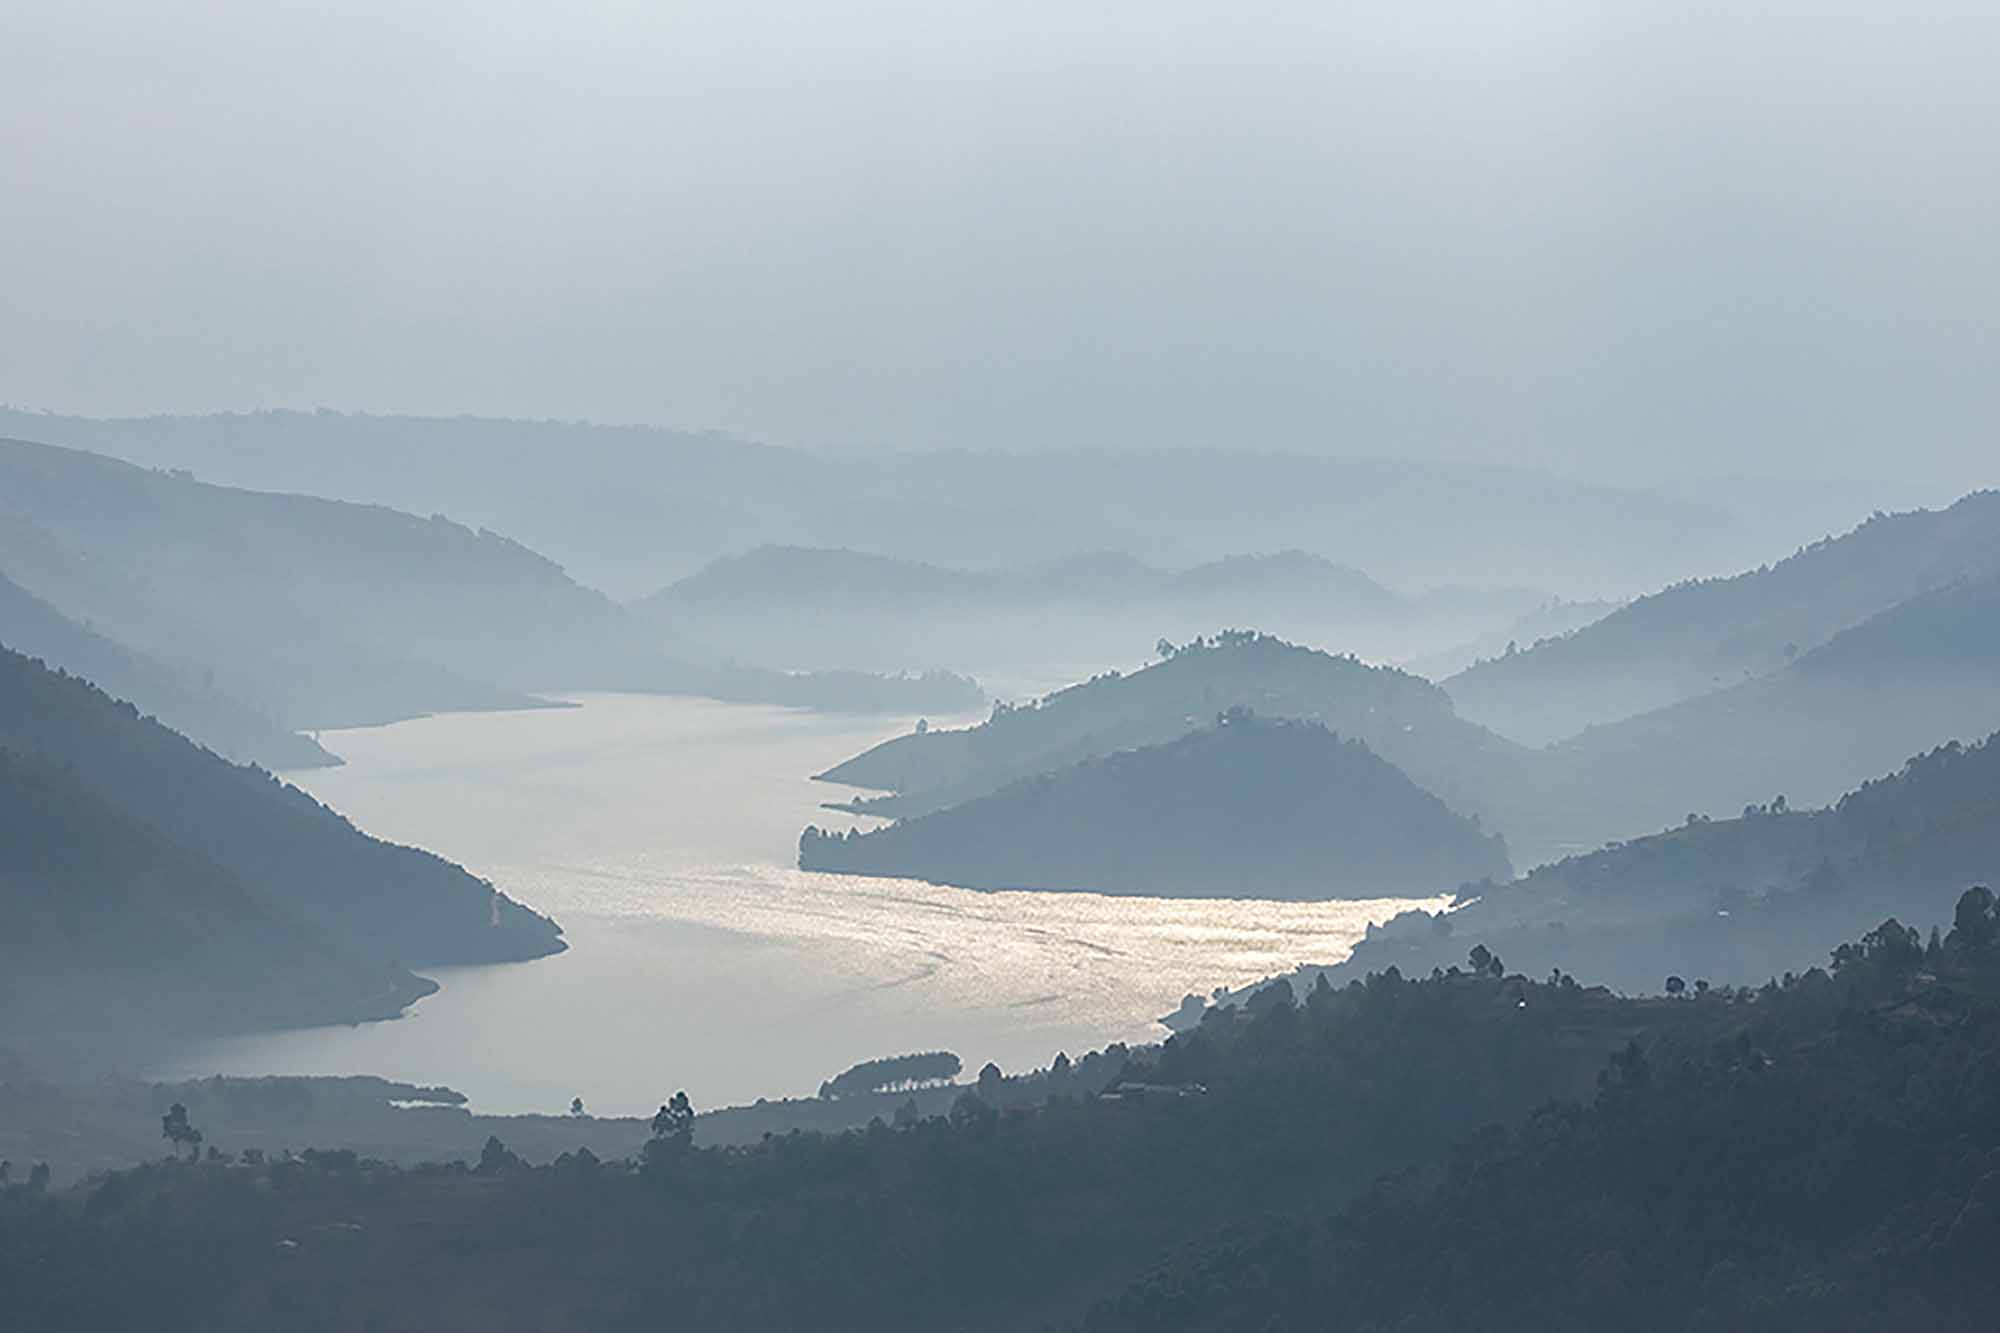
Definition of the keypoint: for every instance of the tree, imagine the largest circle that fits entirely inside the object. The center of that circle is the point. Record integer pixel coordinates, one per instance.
(576, 1106)
(970, 1110)
(1481, 959)
(38, 1178)
(673, 1130)
(496, 1156)
(1675, 986)
(990, 1082)
(1973, 925)
(174, 1127)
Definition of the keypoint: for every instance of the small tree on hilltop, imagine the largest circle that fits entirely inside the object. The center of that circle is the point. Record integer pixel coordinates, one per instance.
(673, 1130)
(175, 1128)
(496, 1157)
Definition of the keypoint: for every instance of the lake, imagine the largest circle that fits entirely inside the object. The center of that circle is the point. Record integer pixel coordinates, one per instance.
(662, 834)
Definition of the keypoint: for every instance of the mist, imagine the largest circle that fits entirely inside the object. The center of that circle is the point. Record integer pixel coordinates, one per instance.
(1625, 244)
(1118, 668)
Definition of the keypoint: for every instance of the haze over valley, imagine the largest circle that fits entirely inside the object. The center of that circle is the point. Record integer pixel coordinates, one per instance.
(1025, 669)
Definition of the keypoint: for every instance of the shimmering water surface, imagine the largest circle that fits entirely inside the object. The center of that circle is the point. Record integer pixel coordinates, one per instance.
(661, 833)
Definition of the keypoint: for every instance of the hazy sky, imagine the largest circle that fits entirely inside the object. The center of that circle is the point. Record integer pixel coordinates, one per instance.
(1620, 238)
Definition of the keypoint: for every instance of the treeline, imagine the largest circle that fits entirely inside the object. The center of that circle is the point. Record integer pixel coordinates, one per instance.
(893, 1072)
(1806, 1153)
(1819, 1155)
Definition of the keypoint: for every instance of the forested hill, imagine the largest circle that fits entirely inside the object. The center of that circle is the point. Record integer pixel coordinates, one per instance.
(110, 931)
(1734, 900)
(1249, 808)
(325, 613)
(1700, 636)
(376, 899)
(1820, 1155)
(1403, 718)
(1907, 680)
(1467, 1151)
(32, 627)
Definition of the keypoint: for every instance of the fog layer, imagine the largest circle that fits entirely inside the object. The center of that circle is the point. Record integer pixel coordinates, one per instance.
(1574, 235)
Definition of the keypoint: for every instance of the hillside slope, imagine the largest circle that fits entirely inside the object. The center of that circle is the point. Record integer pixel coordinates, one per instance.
(1699, 636)
(1914, 677)
(1731, 900)
(32, 627)
(1248, 808)
(1406, 720)
(326, 613)
(806, 606)
(110, 927)
(376, 899)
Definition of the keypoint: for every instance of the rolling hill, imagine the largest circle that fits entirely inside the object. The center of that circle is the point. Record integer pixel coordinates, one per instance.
(629, 509)
(1248, 808)
(815, 607)
(1736, 900)
(1406, 720)
(325, 613)
(32, 627)
(373, 899)
(1701, 636)
(1913, 677)
(114, 930)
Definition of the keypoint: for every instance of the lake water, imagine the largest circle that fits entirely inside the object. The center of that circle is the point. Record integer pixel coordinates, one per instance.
(662, 834)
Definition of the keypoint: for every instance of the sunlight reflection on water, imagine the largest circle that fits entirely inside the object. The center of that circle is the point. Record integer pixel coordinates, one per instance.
(659, 832)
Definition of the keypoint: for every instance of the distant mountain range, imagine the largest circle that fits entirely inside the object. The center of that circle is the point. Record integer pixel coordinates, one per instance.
(1705, 635)
(630, 509)
(800, 605)
(1246, 807)
(322, 614)
(802, 578)
(1903, 681)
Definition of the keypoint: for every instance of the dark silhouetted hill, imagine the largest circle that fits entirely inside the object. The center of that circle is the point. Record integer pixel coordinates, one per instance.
(113, 930)
(1700, 636)
(1247, 808)
(1406, 720)
(376, 900)
(33, 628)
